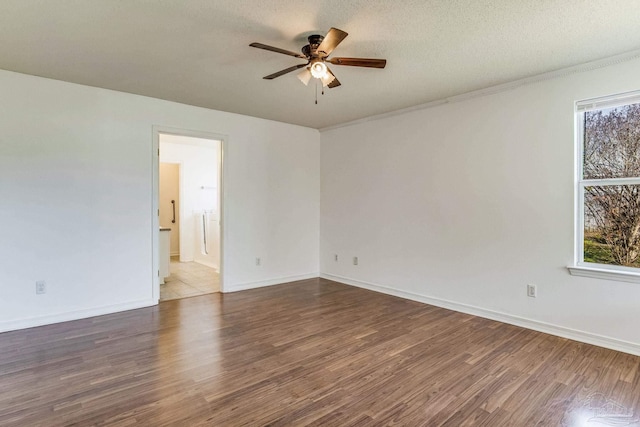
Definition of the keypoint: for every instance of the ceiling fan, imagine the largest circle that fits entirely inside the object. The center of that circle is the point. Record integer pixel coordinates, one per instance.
(316, 53)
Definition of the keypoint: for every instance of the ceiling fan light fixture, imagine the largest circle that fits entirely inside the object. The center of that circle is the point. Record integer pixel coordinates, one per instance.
(318, 69)
(304, 76)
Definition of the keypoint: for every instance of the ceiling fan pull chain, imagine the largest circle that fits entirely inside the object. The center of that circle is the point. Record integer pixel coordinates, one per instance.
(316, 93)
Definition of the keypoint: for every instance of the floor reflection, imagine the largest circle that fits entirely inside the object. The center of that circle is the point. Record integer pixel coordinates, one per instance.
(599, 410)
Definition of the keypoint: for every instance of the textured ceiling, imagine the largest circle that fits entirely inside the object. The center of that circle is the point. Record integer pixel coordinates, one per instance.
(196, 51)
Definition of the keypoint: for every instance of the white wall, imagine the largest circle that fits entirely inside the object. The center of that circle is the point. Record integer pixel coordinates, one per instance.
(76, 198)
(199, 168)
(464, 204)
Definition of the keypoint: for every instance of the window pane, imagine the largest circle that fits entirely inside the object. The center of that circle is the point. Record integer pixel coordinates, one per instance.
(612, 142)
(612, 225)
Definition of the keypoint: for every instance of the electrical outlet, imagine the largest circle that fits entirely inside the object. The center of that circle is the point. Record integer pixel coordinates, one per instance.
(335, 257)
(41, 287)
(355, 260)
(258, 261)
(532, 291)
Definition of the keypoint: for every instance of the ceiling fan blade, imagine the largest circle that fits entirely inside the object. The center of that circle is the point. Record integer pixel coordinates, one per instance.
(335, 82)
(283, 72)
(330, 41)
(278, 50)
(359, 62)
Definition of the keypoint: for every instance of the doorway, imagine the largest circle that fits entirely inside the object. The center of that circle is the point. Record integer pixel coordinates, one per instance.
(188, 250)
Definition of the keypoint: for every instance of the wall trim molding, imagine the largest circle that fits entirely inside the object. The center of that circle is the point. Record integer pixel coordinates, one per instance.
(563, 72)
(270, 282)
(548, 328)
(32, 322)
(606, 274)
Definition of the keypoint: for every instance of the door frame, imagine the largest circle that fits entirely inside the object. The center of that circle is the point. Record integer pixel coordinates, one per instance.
(155, 178)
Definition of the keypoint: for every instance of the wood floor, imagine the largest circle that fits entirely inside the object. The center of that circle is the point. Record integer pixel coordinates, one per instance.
(310, 353)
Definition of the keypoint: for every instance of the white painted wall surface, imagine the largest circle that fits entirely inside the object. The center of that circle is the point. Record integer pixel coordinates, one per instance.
(466, 203)
(76, 197)
(199, 168)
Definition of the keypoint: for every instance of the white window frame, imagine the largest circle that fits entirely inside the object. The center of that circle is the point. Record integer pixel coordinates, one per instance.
(580, 267)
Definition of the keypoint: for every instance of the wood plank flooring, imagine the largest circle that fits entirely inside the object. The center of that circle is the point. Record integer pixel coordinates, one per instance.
(312, 353)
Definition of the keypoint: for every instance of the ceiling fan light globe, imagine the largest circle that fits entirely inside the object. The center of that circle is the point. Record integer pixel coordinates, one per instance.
(318, 69)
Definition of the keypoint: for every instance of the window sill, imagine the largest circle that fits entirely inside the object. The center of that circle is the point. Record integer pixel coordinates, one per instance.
(602, 273)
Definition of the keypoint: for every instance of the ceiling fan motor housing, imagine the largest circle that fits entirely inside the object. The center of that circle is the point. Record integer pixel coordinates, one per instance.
(310, 50)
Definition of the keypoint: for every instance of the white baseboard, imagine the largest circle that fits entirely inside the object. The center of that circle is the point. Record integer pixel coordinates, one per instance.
(32, 322)
(260, 284)
(548, 328)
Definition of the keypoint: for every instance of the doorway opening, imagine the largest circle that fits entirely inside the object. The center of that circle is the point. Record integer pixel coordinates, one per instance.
(189, 214)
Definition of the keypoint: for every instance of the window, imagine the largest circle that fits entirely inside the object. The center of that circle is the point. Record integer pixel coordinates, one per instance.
(608, 187)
